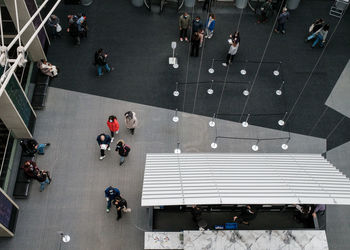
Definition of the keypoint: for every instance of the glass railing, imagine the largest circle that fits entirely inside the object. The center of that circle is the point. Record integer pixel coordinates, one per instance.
(19, 100)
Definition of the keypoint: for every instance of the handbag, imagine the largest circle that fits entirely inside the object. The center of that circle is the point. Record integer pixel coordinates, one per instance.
(58, 28)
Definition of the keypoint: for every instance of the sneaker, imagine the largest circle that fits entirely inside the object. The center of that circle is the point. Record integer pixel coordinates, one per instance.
(102, 157)
(48, 144)
(109, 148)
(121, 163)
(224, 64)
(112, 139)
(206, 37)
(128, 210)
(116, 132)
(181, 39)
(112, 68)
(107, 210)
(283, 32)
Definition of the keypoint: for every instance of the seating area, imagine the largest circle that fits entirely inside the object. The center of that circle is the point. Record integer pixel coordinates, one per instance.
(40, 91)
(22, 185)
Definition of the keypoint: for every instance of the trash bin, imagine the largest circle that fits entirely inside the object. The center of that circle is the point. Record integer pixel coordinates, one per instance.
(292, 4)
(190, 3)
(137, 3)
(86, 2)
(241, 4)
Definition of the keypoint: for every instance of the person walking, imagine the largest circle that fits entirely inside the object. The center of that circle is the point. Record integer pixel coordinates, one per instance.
(111, 194)
(197, 25)
(184, 25)
(195, 42)
(281, 21)
(101, 62)
(104, 142)
(43, 177)
(130, 121)
(231, 53)
(55, 27)
(209, 26)
(113, 126)
(123, 150)
(320, 36)
(121, 206)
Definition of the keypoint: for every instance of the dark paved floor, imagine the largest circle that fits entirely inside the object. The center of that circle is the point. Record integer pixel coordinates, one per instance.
(138, 43)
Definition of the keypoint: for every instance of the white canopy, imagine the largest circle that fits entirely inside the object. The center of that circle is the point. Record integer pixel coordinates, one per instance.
(186, 179)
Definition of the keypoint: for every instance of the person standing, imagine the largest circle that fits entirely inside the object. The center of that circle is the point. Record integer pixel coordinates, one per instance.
(123, 150)
(44, 178)
(55, 27)
(231, 53)
(320, 36)
(197, 25)
(104, 142)
(130, 121)
(101, 62)
(73, 29)
(121, 205)
(281, 21)
(265, 11)
(195, 42)
(209, 26)
(184, 25)
(111, 194)
(113, 126)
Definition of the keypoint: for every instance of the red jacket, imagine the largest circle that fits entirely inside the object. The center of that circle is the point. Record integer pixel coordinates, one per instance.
(113, 126)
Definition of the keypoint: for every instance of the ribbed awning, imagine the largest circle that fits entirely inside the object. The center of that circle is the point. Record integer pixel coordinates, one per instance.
(186, 179)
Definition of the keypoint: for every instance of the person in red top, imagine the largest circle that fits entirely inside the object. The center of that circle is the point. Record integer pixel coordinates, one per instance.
(113, 125)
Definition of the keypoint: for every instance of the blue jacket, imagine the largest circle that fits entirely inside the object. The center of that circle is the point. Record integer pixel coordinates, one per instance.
(211, 26)
(106, 141)
(112, 193)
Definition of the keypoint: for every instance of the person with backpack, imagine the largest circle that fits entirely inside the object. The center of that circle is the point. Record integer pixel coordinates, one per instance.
(113, 126)
(43, 177)
(31, 170)
(111, 193)
(123, 150)
(121, 206)
(101, 62)
(130, 121)
(104, 142)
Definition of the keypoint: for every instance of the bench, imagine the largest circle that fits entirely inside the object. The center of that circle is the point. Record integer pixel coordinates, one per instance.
(22, 185)
(40, 91)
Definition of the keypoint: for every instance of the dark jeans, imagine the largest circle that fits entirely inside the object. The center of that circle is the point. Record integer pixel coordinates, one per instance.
(112, 134)
(183, 33)
(281, 27)
(194, 49)
(229, 58)
(119, 213)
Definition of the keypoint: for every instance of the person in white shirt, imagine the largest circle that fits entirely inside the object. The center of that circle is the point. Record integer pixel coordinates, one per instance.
(231, 53)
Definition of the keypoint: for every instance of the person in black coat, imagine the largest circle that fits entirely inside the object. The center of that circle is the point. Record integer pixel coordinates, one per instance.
(123, 150)
(195, 42)
(197, 25)
(247, 214)
(121, 205)
(101, 62)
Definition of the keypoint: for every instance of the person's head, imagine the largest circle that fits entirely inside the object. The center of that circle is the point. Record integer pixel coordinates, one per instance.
(326, 27)
(27, 163)
(100, 51)
(185, 15)
(198, 18)
(285, 9)
(111, 191)
(212, 16)
(102, 137)
(128, 115)
(79, 15)
(43, 61)
(120, 143)
(236, 34)
(111, 118)
(234, 43)
(53, 16)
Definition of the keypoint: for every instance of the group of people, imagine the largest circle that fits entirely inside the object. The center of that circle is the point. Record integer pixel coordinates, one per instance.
(318, 32)
(30, 147)
(104, 141)
(77, 27)
(112, 195)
